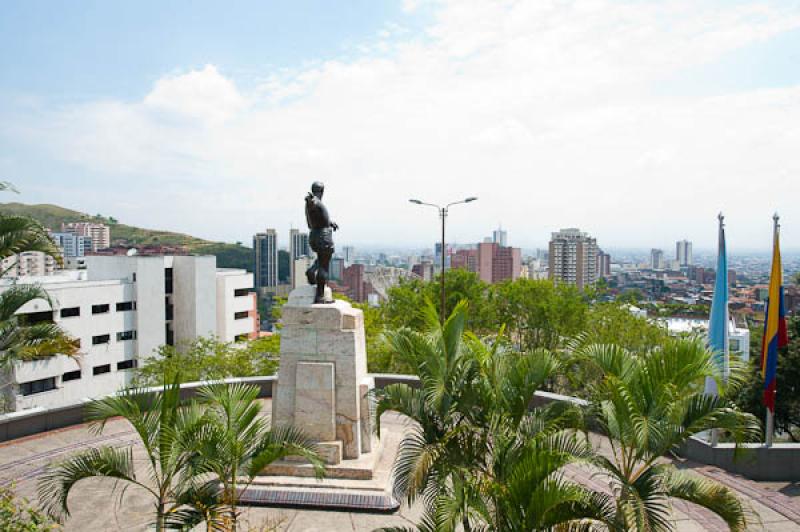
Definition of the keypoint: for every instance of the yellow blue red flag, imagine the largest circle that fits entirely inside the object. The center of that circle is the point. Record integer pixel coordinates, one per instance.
(775, 335)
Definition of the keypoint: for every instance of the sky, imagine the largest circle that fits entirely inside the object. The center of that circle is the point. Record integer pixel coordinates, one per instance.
(636, 121)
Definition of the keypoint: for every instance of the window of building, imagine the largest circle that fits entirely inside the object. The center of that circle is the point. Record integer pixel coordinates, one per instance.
(168, 280)
(100, 309)
(42, 385)
(71, 376)
(239, 292)
(45, 316)
(126, 335)
(99, 370)
(126, 305)
(241, 315)
(126, 364)
(70, 312)
(101, 339)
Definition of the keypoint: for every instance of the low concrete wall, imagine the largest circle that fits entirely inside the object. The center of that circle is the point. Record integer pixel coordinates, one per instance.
(37, 420)
(777, 463)
(781, 462)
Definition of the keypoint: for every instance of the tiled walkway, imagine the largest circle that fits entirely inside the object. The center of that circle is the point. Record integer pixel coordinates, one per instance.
(95, 508)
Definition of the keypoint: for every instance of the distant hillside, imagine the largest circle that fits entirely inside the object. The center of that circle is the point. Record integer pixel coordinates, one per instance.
(52, 216)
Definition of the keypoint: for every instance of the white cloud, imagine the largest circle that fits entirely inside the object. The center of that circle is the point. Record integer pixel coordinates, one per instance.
(550, 111)
(204, 94)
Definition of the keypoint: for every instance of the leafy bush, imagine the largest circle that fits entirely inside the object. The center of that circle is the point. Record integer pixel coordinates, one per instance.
(17, 515)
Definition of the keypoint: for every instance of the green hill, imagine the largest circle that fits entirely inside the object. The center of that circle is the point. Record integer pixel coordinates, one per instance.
(52, 216)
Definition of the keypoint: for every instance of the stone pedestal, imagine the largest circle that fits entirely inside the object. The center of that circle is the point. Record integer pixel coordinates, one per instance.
(322, 384)
(324, 390)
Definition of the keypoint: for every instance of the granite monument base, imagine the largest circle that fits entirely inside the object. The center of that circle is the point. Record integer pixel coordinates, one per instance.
(323, 389)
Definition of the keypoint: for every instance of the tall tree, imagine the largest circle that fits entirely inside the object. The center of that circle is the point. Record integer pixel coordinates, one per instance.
(539, 313)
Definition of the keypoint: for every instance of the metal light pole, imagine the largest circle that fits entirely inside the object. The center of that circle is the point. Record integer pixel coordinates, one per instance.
(443, 215)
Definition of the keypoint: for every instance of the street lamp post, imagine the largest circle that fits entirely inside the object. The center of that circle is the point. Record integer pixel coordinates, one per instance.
(443, 216)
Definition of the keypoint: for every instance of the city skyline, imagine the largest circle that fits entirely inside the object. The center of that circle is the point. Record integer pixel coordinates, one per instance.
(553, 115)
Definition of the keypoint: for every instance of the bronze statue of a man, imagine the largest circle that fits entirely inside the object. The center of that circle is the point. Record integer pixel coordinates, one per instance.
(320, 240)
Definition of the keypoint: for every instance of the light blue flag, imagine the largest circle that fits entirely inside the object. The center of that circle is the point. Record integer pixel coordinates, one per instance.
(718, 321)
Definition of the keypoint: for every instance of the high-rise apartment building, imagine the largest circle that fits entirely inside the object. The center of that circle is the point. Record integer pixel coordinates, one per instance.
(603, 264)
(573, 258)
(100, 234)
(500, 237)
(298, 247)
(683, 253)
(265, 251)
(657, 259)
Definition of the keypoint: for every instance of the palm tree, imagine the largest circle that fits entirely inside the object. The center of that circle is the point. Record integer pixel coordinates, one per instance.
(23, 233)
(238, 443)
(19, 339)
(649, 404)
(168, 432)
(477, 455)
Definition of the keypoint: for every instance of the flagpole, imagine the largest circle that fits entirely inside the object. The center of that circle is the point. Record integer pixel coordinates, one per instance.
(770, 421)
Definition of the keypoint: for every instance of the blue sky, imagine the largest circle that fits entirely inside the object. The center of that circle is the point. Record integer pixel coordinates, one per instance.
(635, 121)
(66, 50)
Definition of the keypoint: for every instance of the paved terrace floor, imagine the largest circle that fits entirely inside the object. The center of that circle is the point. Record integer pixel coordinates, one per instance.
(95, 508)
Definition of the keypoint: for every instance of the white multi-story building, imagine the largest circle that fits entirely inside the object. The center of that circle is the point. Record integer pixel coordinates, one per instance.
(121, 309)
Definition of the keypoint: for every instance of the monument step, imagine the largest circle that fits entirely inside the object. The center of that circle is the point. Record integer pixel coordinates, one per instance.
(329, 498)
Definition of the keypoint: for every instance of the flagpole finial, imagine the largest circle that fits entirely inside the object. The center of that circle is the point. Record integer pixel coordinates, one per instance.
(721, 218)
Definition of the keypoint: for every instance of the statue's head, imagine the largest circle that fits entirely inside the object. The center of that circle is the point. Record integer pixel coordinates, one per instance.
(317, 188)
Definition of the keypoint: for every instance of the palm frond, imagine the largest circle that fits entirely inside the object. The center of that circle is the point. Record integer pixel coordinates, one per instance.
(55, 484)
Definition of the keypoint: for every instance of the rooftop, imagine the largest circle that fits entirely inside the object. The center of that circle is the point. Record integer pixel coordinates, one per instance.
(22, 461)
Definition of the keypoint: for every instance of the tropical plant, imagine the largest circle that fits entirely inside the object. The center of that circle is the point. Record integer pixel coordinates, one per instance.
(237, 443)
(168, 432)
(787, 407)
(648, 404)
(22, 340)
(17, 514)
(22, 233)
(19, 338)
(208, 359)
(539, 313)
(477, 455)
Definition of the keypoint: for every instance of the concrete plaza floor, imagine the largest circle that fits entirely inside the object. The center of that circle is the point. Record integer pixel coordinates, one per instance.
(95, 508)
